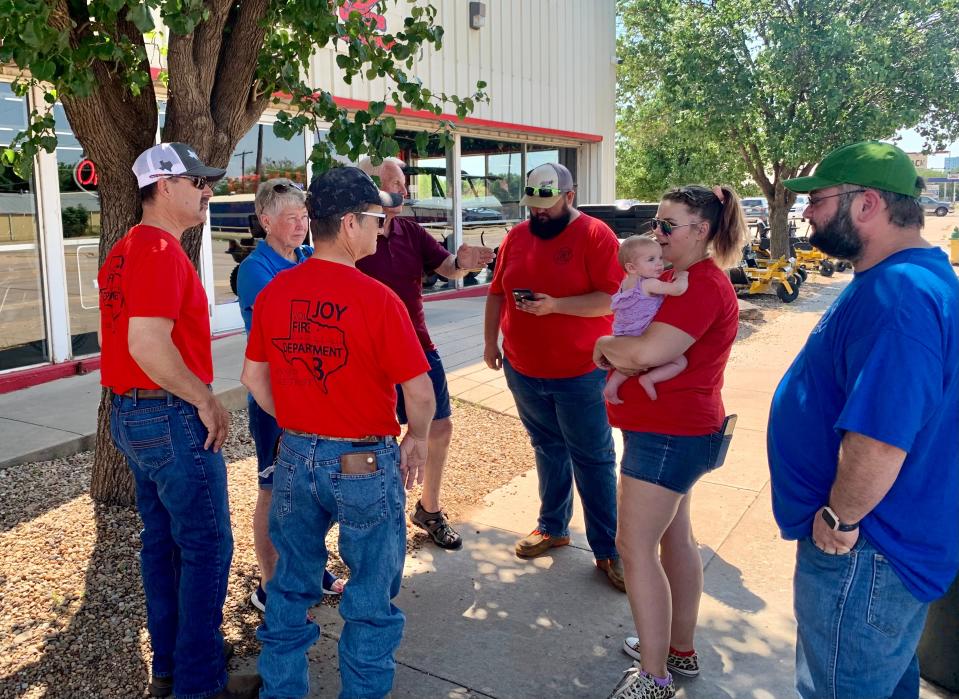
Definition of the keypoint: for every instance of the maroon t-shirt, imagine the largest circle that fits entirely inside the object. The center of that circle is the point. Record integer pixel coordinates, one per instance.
(399, 262)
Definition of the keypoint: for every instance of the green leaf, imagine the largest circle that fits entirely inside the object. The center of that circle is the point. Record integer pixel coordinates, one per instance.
(389, 126)
(389, 148)
(141, 17)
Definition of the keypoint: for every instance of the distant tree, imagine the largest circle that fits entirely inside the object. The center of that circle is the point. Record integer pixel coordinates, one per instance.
(786, 81)
(657, 149)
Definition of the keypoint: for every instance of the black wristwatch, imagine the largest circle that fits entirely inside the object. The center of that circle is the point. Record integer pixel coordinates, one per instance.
(456, 262)
(832, 521)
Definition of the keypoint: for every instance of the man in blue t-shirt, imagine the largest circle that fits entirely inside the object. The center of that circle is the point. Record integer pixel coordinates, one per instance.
(863, 437)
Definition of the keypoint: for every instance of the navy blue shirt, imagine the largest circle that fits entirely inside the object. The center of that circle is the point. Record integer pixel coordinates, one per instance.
(257, 270)
(882, 362)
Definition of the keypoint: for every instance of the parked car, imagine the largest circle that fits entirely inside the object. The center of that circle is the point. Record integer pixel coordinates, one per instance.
(802, 201)
(939, 208)
(756, 210)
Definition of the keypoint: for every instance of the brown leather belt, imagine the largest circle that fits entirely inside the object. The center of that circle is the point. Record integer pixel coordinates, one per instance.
(141, 393)
(370, 439)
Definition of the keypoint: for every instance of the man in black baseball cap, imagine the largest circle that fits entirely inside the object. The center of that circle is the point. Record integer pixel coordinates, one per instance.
(327, 347)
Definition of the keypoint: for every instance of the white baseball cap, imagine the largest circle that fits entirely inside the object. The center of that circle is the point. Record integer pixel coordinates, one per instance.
(172, 160)
(545, 185)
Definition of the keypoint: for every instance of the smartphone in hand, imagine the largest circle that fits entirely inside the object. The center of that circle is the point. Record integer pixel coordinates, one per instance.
(523, 295)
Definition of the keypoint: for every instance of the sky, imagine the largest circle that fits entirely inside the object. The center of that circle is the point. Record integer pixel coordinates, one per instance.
(912, 143)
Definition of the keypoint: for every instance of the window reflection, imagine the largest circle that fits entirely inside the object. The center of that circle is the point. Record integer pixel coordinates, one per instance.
(260, 155)
(23, 337)
(80, 221)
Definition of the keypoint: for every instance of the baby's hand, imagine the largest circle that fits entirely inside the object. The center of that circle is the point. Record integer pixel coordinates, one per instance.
(681, 281)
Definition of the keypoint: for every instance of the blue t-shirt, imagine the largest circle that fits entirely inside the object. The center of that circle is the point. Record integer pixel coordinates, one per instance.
(257, 270)
(882, 362)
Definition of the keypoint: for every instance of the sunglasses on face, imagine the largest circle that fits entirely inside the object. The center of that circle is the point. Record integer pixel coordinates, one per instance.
(664, 227)
(542, 191)
(381, 218)
(198, 182)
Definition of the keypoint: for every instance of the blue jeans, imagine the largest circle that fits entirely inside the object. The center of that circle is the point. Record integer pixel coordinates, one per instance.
(187, 539)
(309, 493)
(567, 425)
(857, 626)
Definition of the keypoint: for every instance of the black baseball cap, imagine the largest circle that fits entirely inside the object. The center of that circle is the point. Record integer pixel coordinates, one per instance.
(345, 189)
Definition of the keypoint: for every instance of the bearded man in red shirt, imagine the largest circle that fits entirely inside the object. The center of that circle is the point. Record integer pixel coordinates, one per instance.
(550, 296)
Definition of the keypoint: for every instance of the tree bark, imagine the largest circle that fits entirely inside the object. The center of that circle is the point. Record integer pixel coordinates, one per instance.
(111, 481)
(114, 129)
(779, 204)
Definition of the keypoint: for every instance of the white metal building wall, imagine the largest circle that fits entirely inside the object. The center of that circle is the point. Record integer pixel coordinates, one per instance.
(547, 63)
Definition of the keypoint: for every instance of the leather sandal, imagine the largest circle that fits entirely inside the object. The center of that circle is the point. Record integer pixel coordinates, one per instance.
(436, 525)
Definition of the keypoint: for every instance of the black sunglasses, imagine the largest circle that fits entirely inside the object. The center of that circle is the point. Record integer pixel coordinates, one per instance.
(198, 182)
(542, 191)
(664, 227)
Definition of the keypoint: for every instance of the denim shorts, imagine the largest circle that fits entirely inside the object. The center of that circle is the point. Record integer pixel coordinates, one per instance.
(266, 437)
(672, 461)
(437, 375)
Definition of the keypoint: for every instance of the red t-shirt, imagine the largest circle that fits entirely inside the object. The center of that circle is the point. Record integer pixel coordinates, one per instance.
(580, 260)
(147, 274)
(337, 343)
(399, 262)
(691, 403)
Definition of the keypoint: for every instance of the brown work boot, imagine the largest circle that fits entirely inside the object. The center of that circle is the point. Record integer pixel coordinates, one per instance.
(240, 687)
(613, 567)
(538, 542)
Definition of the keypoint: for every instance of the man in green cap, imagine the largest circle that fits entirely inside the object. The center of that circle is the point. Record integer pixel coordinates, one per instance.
(863, 436)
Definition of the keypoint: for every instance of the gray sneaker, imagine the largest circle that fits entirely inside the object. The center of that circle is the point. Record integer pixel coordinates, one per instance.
(636, 684)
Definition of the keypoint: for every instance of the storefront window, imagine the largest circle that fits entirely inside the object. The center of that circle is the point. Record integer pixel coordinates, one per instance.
(80, 219)
(23, 336)
(260, 155)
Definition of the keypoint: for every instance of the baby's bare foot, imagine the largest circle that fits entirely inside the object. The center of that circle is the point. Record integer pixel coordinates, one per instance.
(648, 386)
(611, 394)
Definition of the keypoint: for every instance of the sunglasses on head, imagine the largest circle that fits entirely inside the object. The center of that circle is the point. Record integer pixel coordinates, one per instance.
(542, 191)
(282, 188)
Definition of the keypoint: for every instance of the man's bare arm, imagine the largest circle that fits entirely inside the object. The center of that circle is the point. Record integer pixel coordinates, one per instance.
(151, 346)
(866, 471)
(591, 305)
(256, 377)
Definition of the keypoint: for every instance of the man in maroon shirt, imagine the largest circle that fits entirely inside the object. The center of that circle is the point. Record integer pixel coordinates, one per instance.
(404, 250)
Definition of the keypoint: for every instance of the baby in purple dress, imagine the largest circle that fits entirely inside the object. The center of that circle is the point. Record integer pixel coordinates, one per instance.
(634, 305)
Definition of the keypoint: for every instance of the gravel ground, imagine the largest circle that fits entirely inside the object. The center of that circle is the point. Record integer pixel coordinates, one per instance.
(72, 617)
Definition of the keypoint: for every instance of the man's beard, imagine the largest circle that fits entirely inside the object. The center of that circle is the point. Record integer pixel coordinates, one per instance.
(838, 237)
(551, 227)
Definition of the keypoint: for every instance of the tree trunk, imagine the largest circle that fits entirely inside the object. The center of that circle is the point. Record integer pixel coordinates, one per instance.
(114, 129)
(779, 205)
(111, 480)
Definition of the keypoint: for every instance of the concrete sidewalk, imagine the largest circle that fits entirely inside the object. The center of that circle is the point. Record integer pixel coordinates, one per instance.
(482, 622)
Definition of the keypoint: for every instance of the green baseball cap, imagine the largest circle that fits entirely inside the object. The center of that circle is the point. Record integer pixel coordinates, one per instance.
(872, 164)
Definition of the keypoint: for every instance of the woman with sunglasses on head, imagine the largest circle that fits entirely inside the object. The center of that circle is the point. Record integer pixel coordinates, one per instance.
(280, 206)
(670, 443)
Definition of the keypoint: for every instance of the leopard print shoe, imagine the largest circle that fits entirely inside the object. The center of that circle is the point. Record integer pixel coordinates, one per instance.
(685, 665)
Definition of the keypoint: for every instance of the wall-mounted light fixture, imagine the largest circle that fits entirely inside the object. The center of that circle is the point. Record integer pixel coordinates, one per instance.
(477, 14)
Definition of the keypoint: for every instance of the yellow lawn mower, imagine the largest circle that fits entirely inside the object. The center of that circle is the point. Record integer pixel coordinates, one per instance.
(753, 277)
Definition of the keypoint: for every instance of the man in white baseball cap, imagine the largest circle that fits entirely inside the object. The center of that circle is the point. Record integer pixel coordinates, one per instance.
(156, 359)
